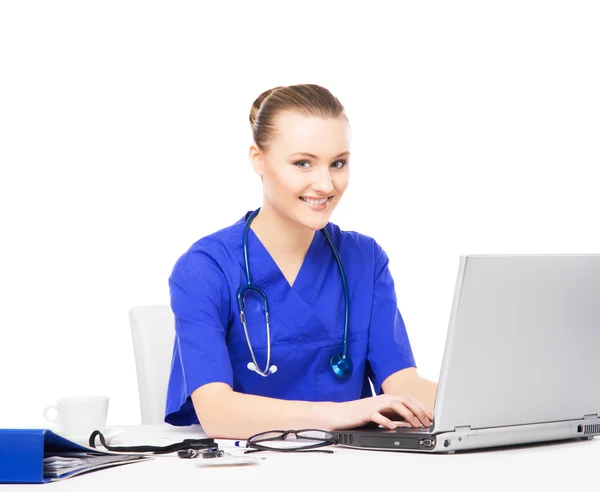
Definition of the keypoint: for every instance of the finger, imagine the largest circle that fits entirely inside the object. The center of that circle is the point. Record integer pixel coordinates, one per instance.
(423, 413)
(405, 412)
(428, 413)
(418, 410)
(381, 420)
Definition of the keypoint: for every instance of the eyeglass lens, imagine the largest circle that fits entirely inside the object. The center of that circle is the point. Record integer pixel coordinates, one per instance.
(298, 439)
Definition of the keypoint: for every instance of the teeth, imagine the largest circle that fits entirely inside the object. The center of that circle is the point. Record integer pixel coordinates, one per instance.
(314, 202)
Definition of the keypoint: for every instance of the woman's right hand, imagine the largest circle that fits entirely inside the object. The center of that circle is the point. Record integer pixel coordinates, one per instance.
(382, 410)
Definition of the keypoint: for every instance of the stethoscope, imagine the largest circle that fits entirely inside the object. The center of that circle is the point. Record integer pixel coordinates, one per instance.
(340, 362)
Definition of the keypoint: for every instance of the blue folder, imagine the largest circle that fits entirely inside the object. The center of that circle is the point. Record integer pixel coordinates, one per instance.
(22, 453)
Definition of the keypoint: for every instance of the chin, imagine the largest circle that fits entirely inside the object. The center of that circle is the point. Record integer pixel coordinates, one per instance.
(315, 223)
(313, 220)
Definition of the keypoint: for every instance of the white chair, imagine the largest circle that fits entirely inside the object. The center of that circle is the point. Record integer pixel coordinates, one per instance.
(153, 333)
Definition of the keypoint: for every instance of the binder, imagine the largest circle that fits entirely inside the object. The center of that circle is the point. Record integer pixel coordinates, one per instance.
(22, 453)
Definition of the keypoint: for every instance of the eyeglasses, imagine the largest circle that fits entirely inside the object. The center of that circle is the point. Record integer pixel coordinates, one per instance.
(292, 441)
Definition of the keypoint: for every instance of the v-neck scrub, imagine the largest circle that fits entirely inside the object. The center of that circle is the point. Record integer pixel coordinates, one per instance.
(307, 320)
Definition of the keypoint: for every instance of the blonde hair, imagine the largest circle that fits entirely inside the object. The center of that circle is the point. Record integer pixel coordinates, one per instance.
(308, 99)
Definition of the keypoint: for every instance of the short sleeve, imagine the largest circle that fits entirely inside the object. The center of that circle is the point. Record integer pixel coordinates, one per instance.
(200, 304)
(389, 347)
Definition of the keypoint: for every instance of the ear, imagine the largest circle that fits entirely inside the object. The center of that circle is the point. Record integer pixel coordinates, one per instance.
(257, 160)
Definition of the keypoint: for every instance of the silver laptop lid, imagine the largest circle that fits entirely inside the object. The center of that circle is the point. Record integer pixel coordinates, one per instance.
(523, 342)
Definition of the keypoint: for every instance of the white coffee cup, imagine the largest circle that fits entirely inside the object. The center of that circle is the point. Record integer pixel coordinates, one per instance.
(79, 415)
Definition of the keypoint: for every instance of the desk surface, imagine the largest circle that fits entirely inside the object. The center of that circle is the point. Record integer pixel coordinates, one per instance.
(568, 463)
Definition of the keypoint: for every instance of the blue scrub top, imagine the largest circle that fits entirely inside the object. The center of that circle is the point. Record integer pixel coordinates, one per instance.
(307, 321)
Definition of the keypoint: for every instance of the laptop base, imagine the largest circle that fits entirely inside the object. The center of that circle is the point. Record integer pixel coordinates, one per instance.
(465, 438)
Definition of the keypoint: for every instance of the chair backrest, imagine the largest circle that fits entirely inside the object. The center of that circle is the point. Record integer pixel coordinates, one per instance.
(153, 333)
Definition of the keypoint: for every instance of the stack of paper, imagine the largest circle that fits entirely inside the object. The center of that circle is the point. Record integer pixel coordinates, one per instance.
(68, 464)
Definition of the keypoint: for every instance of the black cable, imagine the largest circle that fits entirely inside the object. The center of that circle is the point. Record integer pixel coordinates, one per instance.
(186, 444)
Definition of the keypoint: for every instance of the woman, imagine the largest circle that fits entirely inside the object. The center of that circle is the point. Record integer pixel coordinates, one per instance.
(238, 375)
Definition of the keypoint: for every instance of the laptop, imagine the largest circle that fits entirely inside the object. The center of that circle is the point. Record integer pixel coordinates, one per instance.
(521, 362)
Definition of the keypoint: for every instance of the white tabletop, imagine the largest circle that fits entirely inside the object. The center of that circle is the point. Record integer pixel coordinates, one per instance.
(566, 464)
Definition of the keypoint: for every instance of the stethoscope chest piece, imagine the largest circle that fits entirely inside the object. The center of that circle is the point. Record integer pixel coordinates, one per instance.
(341, 365)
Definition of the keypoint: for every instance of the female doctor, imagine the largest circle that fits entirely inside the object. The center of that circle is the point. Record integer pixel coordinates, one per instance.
(282, 318)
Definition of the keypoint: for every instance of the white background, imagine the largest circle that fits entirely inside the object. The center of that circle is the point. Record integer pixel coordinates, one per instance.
(124, 137)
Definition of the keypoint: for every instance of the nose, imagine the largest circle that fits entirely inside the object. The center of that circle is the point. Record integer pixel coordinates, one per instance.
(322, 182)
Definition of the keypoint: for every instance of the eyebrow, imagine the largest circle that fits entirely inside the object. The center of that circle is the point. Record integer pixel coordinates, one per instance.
(315, 157)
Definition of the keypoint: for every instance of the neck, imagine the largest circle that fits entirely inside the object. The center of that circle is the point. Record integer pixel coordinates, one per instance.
(279, 234)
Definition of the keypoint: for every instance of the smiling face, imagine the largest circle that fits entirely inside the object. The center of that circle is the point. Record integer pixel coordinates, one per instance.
(305, 168)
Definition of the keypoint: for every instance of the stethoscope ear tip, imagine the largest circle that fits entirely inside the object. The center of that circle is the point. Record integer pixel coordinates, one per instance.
(271, 370)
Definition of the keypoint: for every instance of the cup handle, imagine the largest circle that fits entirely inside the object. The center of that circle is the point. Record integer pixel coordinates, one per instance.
(49, 418)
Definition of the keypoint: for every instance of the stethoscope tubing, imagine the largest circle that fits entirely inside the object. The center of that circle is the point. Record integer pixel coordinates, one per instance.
(243, 290)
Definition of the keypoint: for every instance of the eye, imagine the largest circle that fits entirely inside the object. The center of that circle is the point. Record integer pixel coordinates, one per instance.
(339, 164)
(300, 164)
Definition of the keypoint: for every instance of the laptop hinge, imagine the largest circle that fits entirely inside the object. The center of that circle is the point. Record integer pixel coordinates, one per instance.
(591, 416)
(462, 428)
